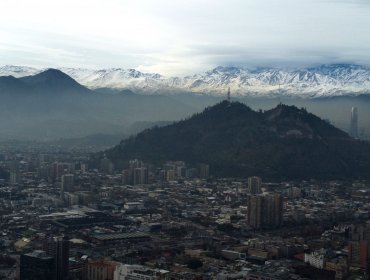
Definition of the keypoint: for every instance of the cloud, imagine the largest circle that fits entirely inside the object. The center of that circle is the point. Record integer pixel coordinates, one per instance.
(182, 37)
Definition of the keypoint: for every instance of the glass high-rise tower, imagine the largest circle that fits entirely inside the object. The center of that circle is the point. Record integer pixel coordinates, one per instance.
(354, 123)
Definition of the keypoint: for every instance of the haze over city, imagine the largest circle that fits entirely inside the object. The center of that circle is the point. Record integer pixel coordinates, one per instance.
(190, 140)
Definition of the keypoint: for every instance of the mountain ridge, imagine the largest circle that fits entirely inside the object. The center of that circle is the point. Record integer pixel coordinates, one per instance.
(282, 143)
(50, 80)
(306, 82)
(51, 105)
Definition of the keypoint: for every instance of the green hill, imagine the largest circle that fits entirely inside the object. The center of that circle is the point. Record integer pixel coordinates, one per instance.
(281, 143)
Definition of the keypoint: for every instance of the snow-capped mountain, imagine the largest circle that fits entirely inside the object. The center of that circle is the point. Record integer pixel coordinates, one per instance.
(117, 78)
(18, 71)
(324, 80)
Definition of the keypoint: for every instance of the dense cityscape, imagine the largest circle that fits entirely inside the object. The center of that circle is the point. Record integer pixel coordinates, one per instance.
(184, 140)
(61, 219)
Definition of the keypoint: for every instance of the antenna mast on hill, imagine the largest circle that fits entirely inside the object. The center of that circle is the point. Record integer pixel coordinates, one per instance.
(228, 95)
(279, 95)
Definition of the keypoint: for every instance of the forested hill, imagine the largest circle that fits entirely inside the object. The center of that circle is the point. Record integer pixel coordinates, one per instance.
(282, 143)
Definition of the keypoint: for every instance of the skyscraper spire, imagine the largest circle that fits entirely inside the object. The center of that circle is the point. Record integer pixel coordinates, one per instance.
(354, 123)
(228, 95)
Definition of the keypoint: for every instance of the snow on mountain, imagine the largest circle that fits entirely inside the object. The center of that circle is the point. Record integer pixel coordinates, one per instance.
(116, 78)
(18, 71)
(324, 80)
(314, 82)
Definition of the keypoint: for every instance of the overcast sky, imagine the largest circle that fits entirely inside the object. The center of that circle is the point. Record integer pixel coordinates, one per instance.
(178, 37)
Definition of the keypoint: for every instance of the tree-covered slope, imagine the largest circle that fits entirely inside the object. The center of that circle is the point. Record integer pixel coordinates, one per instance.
(285, 142)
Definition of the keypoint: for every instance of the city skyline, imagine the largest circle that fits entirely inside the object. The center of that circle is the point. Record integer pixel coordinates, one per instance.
(198, 139)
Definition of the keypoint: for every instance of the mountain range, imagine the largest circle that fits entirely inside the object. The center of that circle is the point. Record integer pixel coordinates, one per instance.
(281, 143)
(50, 81)
(52, 105)
(311, 82)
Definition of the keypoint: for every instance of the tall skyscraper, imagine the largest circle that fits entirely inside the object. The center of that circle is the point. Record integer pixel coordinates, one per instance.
(255, 211)
(36, 265)
(359, 247)
(354, 123)
(254, 185)
(106, 166)
(181, 171)
(272, 211)
(204, 170)
(15, 177)
(58, 248)
(265, 211)
(125, 177)
(141, 176)
(170, 175)
(57, 170)
(133, 165)
(136, 174)
(67, 182)
(15, 174)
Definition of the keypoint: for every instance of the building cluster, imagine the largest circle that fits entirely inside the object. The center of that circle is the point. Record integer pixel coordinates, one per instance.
(62, 220)
(139, 173)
